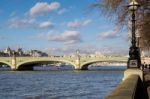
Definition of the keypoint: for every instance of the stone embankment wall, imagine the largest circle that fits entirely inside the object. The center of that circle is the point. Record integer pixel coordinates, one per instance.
(130, 88)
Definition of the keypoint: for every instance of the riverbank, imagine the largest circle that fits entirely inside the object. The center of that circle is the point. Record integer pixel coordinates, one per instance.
(136, 85)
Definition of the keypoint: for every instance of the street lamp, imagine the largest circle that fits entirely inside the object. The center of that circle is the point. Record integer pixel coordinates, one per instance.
(134, 60)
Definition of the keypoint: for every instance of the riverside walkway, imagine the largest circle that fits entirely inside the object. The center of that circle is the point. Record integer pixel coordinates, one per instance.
(134, 86)
(135, 83)
(146, 81)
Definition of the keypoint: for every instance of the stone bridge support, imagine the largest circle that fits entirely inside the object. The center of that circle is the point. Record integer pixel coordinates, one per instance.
(77, 61)
(13, 63)
(77, 64)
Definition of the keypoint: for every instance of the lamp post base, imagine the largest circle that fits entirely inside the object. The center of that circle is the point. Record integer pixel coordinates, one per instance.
(134, 60)
(133, 63)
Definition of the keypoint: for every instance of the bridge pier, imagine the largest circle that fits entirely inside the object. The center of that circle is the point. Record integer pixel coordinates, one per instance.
(77, 68)
(77, 62)
(13, 63)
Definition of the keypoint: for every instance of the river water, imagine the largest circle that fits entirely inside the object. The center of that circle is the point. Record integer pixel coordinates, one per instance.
(61, 84)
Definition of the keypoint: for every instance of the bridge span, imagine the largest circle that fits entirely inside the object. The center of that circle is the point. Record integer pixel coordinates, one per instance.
(78, 62)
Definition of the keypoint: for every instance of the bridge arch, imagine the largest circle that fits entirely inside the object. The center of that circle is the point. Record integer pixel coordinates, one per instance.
(5, 63)
(28, 65)
(85, 65)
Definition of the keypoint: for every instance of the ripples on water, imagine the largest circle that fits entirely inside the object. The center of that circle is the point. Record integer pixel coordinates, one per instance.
(58, 84)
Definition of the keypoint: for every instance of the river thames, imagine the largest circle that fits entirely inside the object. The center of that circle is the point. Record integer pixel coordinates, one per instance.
(60, 84)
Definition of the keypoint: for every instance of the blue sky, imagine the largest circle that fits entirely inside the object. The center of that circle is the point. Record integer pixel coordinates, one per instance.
(59, 27)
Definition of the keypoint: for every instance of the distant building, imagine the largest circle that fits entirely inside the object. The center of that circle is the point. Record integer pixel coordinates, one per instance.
(37, 53)
(97, 53)
(8, 51)
(20, 52)
(2, 54)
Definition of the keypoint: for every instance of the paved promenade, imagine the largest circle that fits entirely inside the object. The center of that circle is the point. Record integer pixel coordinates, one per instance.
(146, 81)
(135, 85)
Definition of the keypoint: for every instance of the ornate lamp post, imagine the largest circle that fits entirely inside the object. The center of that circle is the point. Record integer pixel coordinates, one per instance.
(134, 60)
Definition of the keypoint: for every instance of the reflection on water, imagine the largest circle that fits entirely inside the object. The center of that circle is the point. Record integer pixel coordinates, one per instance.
(58, 84)
(69, 67)
(63, 67)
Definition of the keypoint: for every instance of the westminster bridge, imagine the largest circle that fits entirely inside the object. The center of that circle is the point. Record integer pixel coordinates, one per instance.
(78, 62)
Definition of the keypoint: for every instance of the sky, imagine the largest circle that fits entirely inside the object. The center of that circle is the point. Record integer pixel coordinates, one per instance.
(59, 27)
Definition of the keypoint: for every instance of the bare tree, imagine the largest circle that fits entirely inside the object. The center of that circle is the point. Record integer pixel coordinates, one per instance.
(118, 10)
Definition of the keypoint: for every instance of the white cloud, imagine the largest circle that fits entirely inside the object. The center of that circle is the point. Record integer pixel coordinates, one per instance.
(41, 8)
(79, 23)
(46, 24)
(86, 22)
(108, 35)
(62, 11)
(16, 22)
(86, 49)
(115, 50)
(68, 37)
(31, 23)
(60, 50)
